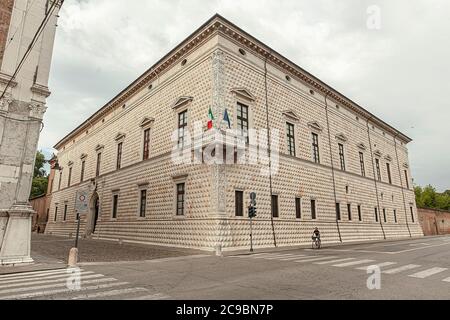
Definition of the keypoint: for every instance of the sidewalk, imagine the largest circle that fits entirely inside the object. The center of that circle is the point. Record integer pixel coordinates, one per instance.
(51, 252)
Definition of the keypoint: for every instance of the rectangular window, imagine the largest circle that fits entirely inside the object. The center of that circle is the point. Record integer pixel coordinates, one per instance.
(65, 212)
(290, 138)
(384, 216)
(239, 203)
(315, 146)
(60, 179)
(377, 163)
(180, 199)
(313, 209)
(115, 204)
(361, 162)
(99, 160)
(242, 120)
(182, 128)
(83, 167)
(146, 147)
(119, 155)
(388, 169)
(349, 211)
(275, 212)
(412, 213)
(359, 213)
(395, 216)
(376, 214)
(143, 203)
(406, 179)
(338, 211)
(70, 177)
(298, 208)
(56, 213)
(341, 156)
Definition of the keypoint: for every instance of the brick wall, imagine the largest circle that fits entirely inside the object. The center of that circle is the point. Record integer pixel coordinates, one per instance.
(434, 222)
(6, 7)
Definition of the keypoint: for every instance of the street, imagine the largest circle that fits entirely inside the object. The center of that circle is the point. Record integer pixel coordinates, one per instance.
(410, 269)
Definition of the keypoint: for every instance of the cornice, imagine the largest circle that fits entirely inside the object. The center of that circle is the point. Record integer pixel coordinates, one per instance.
(218, 24)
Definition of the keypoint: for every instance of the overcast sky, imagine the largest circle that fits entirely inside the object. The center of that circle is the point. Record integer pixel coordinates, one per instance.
(399, 72)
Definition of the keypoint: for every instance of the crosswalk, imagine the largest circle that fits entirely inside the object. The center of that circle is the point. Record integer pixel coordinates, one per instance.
(387, 267)
(70, 284)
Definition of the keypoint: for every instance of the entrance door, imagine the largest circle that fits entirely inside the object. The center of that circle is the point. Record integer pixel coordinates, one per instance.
(95, 215)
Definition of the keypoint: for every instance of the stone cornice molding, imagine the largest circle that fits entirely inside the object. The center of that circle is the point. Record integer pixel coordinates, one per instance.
(315, 126)
(83, 156)
(243, 93)
(361, 146)
(405, 165)
(341, 137)
(99, 148)
(378, 153)
(146, 122)
(291, 115)
(119, 137)
(388, 158)
(181, 101)
(4, 79)
(219, 25)
(40, 90)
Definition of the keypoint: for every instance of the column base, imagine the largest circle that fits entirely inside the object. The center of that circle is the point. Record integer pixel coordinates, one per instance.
(15, 242)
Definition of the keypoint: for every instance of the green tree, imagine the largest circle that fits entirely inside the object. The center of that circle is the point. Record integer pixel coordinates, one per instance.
(428, 198)
(40, 178)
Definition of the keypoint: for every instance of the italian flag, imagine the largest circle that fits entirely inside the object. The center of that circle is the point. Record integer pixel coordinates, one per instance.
(210, 119)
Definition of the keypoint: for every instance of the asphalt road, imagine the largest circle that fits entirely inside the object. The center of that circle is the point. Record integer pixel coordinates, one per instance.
(410, 269)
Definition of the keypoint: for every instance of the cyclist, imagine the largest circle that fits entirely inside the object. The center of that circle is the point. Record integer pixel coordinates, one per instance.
(316, 234)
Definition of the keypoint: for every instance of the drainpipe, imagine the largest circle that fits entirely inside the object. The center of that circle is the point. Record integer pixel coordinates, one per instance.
(268, 146)
(401, 184)
(332, 162)
(374, 177)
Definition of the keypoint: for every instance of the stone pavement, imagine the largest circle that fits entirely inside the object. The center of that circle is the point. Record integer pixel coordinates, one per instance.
(51, 252)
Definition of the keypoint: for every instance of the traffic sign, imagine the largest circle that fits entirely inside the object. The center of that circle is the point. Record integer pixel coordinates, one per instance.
(82, 202)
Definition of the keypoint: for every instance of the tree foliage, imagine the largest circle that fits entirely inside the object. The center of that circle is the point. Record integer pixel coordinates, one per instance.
(40, 178)
(427, 197)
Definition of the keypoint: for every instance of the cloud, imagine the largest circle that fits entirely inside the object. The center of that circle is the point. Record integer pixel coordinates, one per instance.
(399, 73)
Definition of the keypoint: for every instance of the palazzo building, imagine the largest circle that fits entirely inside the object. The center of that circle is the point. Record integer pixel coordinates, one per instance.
(330, 163)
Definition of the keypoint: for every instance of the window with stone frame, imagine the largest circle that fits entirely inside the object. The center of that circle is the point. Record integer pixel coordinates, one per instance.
(298, 208)
(388, 170)
(146, 145)
(361, 162)
(69, 178)
(274, 203)
(290, 135)
(115, 205)
(83, 168)
(99, 161)
(315, 147)
(182, 128)
(119, 155)
(239, 203)
(341, 156)
(143, 203)
(242, 118)
(377, 164)
(313, 209)
(180, 198)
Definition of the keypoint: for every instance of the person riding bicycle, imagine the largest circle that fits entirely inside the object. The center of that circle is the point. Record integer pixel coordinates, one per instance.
(316, 234)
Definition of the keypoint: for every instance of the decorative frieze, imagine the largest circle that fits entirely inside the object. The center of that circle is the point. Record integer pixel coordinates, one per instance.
(37, 110)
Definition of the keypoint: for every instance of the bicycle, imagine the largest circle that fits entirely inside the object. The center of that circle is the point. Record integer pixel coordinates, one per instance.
(316, 243)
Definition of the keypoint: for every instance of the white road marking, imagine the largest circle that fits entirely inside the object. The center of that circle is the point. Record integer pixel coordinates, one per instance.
(427, 273)
(33, 273)
(334, 261)
(25, 279)
(316, 259)
(60, 291)
(32, 283)
(379, 265)
(294, 257)
(158, 296)
(352, 263)
(274, 256)
(110, 293)
(400, 269)
(447, 279)
(53, 286)
(277, 257)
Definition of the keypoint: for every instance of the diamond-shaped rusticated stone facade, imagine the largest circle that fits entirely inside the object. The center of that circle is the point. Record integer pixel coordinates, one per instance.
(218, 67)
